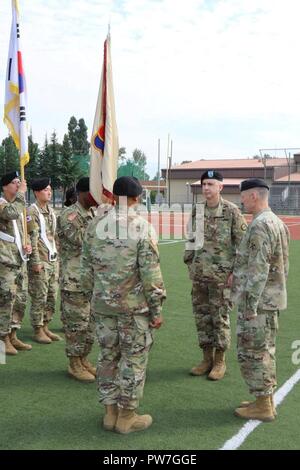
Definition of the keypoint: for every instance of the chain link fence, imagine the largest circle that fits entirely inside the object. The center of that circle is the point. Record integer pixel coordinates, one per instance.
(285, 199)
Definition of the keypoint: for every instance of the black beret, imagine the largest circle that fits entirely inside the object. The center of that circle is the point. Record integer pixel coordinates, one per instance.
(253, 183)
(211, 175)
(9, 177)
(40, 183)
(127, 186)
(83, 185)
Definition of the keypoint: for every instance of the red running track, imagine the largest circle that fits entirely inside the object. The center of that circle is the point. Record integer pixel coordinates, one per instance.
(172, 225)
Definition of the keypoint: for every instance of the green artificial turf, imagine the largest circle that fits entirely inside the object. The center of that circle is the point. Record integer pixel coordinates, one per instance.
(42, 408)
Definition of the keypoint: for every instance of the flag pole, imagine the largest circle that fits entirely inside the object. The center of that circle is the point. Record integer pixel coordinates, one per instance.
(25, 232)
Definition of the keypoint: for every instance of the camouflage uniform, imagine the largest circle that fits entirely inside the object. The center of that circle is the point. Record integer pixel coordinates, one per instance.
(259, 287)
(76, 318)
(43, 286)
(13, 287)
(209, 266)
(123, 276)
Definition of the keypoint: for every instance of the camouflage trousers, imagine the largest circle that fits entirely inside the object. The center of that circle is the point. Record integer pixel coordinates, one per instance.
(125, 341)
(211, 308)
(43, 288)
(256, 348)
(78, 325)
(13, 297)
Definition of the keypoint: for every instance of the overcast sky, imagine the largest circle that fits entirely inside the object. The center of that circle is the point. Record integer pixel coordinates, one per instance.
(221, 76)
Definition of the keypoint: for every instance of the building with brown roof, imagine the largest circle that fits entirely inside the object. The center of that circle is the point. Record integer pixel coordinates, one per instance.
(183, 180)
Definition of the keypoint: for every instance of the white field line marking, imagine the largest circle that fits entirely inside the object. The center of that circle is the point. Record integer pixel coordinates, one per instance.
(171, 242)
(236, 441)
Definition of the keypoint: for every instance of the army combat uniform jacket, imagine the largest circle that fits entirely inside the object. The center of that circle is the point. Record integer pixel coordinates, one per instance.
(220, 232)
(71, 226)
(261, 267)
(122, 273)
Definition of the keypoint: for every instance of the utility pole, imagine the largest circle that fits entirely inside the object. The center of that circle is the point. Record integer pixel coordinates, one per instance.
(170, 165)
(158, 172)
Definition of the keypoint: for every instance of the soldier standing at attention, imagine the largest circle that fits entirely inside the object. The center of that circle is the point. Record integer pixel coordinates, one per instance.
(121, 272)
(259, 286)
(13, 258)
(79, 329)
(221, 228)
(43, 264)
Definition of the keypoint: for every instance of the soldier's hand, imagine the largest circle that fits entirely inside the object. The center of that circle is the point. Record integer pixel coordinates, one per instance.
(37, 268)
(27, 249)
(23, 187)
(157, 322)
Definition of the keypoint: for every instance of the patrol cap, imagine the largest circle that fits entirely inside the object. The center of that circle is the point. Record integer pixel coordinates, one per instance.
(253, 183)
(39, 184)
(127, 186)
(83, 185)
(9, 177)
(211, 175)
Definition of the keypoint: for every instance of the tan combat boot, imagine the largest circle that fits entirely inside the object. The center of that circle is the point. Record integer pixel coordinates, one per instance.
(247, 403)
(18, 344)
(219, 368)
(78, 372)
(40, 336)
(51, 335)
(110, 417)
(261, 409)
(88, 366)
(207, 363)
(9, 348)
(128, 421)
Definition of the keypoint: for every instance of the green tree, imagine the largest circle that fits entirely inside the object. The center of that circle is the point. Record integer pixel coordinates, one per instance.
(32, 169)
(11, 159)
(135, 166)
(122, 154)
(70, 167)
(55, 166)
(2, 161)
(77, 132)
(83, 138)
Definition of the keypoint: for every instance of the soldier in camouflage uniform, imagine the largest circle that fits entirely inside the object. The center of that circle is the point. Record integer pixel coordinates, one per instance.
(43, 264)
(259, 287)
(218, 226)
(13, 256)
(76, 318)
(120, 269)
